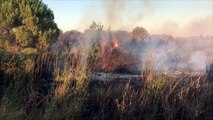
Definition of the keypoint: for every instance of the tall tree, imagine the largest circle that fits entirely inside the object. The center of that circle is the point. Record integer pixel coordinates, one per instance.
(27, 24)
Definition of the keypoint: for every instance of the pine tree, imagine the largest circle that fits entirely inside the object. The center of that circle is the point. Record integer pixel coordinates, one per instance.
(27, 24)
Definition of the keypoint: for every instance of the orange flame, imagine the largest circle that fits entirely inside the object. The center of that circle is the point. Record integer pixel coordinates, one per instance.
(115, 39)
(116, 45)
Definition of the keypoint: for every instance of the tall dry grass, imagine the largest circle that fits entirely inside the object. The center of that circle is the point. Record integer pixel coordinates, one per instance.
(49, 86)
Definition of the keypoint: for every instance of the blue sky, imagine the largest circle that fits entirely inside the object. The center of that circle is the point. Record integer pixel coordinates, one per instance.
(156, 16)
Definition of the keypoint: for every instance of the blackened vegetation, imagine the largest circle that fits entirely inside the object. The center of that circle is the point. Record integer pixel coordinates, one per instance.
(209, 72)
(44, 71)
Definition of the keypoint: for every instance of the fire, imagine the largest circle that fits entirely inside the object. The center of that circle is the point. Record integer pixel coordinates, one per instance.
(115, 40)
(116, 45)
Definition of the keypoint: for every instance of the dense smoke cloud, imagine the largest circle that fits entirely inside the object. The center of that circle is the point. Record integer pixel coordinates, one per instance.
(168, 52)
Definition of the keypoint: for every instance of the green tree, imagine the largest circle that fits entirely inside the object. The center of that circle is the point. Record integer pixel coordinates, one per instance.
(27, 24)
(139, 33)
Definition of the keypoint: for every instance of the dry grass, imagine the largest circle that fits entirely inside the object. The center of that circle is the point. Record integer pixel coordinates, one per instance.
(71, 96)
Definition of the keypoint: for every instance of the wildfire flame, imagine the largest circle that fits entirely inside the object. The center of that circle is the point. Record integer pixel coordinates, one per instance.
(116, 45)
(115, 39)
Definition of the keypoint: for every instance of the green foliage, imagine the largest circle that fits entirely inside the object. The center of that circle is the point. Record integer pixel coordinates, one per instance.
(27, 24)
(26, 29)
(68, 106)
(95, 50)
(155, 88)
(94, 55)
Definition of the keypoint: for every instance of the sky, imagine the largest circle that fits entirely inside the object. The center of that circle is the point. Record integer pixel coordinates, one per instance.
(174, 17)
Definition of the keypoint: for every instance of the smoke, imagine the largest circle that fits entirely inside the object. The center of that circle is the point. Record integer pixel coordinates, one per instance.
(202, 26)
(198, 60)
(195, 27)
(169, 52)
(120, 12)
(114, 11)
(116, 14)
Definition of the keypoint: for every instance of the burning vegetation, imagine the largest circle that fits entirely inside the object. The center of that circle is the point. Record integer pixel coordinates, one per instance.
(116, 45)
(47, 76)
(115, 59)
(112, 51)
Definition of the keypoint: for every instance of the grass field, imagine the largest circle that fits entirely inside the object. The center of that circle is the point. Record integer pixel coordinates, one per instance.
(43, 88)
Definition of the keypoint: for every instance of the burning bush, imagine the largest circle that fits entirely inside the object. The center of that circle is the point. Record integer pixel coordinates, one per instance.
(115, 59)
